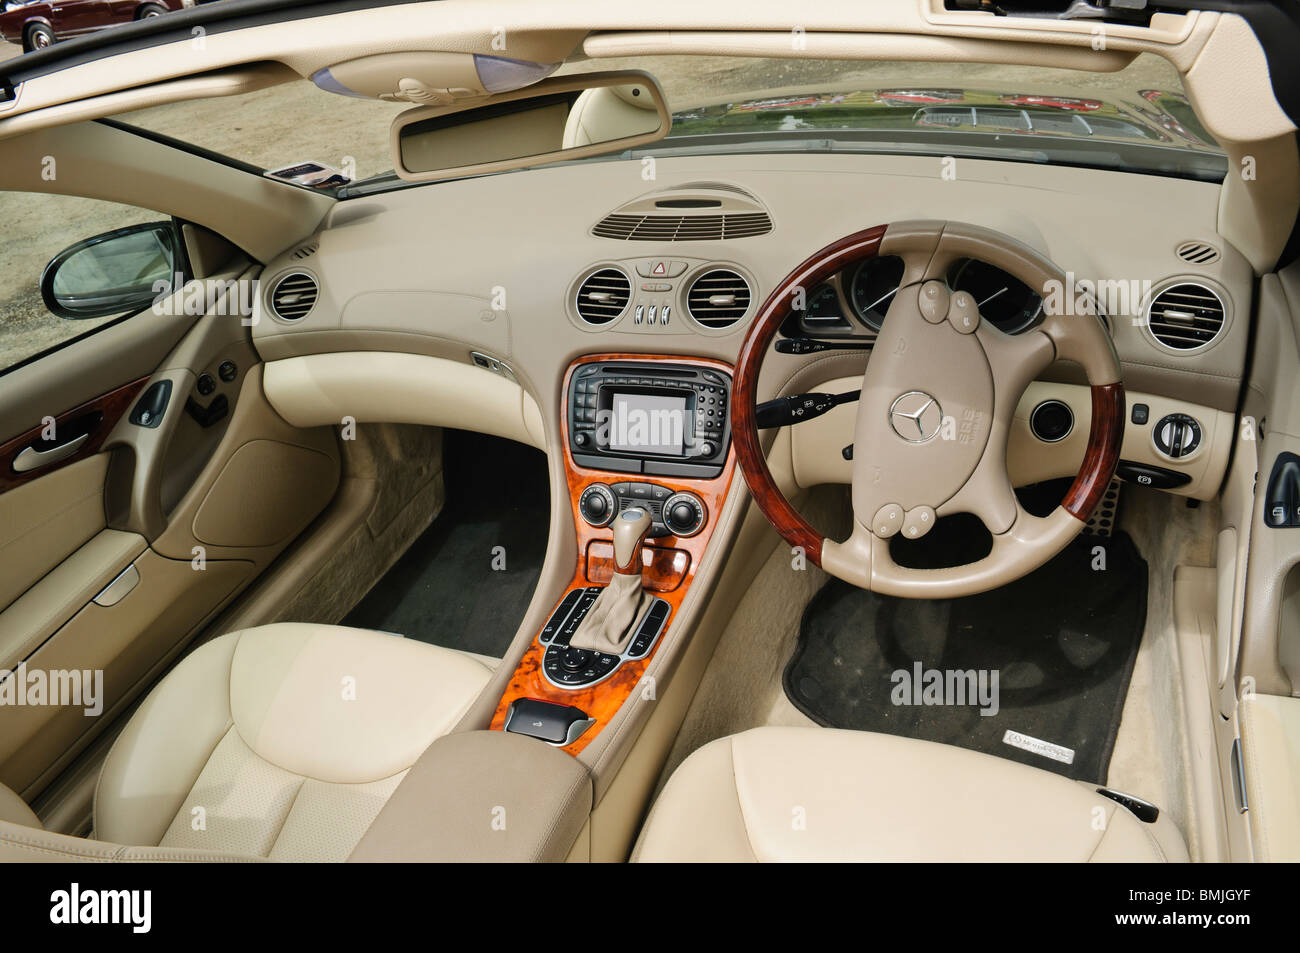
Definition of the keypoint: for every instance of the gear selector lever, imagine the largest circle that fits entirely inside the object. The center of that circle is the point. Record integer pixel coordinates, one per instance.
(608, 627)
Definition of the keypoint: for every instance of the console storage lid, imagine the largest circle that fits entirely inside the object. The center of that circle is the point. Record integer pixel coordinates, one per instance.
(482, 796)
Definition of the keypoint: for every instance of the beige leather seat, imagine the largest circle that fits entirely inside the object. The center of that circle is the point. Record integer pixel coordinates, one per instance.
(817, 794)
(280, 742)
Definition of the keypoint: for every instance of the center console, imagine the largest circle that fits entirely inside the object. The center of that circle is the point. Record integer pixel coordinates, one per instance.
(647, 441)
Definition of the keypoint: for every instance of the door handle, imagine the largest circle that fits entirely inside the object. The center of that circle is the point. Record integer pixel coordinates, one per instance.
(33, 459)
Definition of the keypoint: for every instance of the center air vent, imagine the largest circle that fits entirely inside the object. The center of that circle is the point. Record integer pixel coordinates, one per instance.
(293, 296)
(702, 212)
(682, 228)
(718, 298)
(1185, 317)
(602, 296)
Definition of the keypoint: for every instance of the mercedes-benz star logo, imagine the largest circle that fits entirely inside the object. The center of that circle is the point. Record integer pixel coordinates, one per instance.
(916, 416)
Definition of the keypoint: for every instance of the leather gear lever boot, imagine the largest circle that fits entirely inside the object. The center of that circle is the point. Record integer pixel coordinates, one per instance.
(611, 620)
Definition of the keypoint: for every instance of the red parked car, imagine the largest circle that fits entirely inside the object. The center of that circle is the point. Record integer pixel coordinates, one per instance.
(38, 24)
(1056, 102)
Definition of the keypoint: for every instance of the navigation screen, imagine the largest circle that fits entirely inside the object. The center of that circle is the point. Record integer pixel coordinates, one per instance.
(648, 423)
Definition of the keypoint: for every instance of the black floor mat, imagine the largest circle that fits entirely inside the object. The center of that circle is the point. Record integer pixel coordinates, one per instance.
(445, 589)
(1062, 641)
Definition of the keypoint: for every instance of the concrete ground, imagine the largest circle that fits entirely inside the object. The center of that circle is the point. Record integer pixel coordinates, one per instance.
(288, 124)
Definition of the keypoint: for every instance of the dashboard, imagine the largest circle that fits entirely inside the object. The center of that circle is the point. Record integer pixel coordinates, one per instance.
(520, 275)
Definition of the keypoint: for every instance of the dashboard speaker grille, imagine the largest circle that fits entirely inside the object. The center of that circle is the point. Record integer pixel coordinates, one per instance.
(718, 298)
(293, 296)
(682, 228)
(1197, 252)
(1186, 316)
(603, 296)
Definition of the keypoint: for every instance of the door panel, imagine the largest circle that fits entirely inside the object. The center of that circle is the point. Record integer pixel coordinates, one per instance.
(115, 555)
(45, 521)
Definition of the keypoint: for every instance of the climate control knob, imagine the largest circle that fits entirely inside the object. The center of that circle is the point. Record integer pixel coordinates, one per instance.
(598, 505)
(684, 514)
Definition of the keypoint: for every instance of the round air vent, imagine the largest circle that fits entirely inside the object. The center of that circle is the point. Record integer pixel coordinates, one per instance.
(293, 296)
(718, 298)
(603, 296)
(1185, 316)
(1197, 252)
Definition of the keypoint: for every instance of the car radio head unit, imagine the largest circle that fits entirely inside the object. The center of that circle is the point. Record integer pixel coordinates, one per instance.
(665, 419)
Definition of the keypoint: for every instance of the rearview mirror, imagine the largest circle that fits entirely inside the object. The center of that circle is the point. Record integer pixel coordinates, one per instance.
(566, 117)
(117, 272)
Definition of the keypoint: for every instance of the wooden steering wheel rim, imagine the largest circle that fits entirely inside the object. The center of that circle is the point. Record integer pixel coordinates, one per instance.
(1095, 473)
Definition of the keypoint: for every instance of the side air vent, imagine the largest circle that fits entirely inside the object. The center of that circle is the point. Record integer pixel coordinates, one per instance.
(293, 296)
(682, 228)
(306, 251)
(699, 212)
(1186, 316)
(1197, 252)
(718, 298)
(602, 296)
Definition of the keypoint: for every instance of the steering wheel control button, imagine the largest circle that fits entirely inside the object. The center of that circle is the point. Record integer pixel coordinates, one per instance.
(1177, 435)
(918, 521)
(1051, 421)
(963, 313)
(916, 416)
(888, 520)
(934, 301)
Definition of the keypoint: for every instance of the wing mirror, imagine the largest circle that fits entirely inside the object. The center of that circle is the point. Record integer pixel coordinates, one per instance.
(565, 117)
(118, 272)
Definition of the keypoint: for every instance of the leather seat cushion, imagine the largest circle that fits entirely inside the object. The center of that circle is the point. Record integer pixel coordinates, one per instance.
(282, 741)
(819, 794)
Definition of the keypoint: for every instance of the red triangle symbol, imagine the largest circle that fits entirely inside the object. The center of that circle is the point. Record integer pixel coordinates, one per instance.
(659, 268)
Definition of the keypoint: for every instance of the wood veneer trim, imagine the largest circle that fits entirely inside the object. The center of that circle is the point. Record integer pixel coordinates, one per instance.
(1101, 456)
(744, 432)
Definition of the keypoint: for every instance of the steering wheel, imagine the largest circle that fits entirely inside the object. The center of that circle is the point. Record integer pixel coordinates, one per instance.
(937, 402)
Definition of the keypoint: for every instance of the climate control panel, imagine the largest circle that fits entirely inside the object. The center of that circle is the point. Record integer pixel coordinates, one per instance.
(672, 513)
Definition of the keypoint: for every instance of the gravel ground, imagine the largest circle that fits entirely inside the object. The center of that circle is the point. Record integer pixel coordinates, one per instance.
(291, 123)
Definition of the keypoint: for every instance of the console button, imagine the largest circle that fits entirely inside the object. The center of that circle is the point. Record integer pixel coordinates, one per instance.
(575, 659)
(557, 617)
(544, 720)
(1141, 413)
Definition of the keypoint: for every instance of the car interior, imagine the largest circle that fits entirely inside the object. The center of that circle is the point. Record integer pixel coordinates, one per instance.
(591, 432)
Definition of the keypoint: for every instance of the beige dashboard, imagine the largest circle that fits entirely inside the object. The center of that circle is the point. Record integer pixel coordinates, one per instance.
(488, 273)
